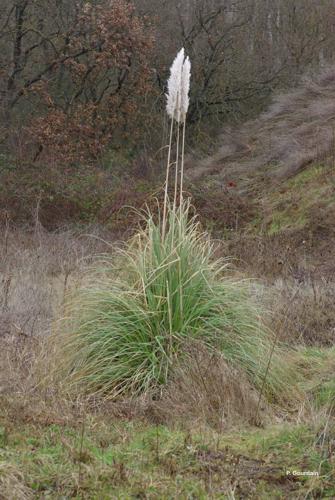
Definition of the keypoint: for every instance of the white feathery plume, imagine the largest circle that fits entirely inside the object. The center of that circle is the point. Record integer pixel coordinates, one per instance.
(185, 88)
(175, 86)
(177, 107)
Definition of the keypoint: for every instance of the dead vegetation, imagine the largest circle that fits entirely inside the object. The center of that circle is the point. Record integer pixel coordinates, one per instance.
(12, 484)
(303, 313)
(208, 391)
(36, 269)
(297, 129)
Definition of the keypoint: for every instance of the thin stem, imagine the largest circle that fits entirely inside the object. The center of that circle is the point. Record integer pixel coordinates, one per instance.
(275, 341)
(182, 166)
(265, 377)
(181, 304)
(177, 152)
(167, 181)
(169, 303)
(176, 171)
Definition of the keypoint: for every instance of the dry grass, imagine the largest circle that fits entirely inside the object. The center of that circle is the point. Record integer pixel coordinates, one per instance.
(303, 313)
(208, 391)
(36, 268)
(12, 484)
(296, 282)
(301, 255)
(297, 129)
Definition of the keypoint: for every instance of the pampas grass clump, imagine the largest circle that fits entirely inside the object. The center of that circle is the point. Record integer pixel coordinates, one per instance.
(124, 331)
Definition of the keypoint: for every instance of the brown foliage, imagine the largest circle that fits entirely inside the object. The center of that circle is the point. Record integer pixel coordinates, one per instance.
(115, 45)
(89, 94)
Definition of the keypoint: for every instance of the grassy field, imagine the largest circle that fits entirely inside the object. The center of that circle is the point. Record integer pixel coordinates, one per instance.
(100, 457)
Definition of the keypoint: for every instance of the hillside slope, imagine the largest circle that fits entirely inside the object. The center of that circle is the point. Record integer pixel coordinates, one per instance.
(297, 129)
(272, 182)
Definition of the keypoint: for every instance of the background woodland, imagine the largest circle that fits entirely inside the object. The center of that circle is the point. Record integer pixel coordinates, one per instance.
(82, 80)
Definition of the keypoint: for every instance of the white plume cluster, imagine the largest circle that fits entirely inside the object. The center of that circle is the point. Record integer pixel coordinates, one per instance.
(179, 87)
(185, 86)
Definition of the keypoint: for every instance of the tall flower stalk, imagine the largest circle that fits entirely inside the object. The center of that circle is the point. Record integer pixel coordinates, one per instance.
(177, 107)
(186, 78)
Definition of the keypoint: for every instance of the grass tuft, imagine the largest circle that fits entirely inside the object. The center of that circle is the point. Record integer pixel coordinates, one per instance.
(125, 329)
